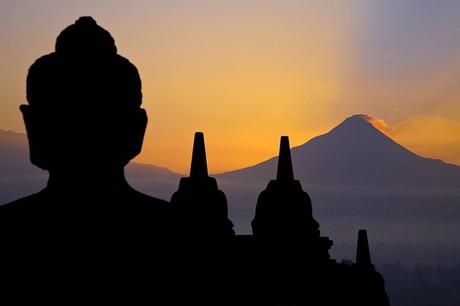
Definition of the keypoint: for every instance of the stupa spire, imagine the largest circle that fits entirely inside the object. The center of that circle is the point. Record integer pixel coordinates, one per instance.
(285, 171)
(199, 167)
(363, 255)
(200, 207)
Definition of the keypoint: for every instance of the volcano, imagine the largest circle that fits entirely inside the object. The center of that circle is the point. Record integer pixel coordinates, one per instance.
(358, 153)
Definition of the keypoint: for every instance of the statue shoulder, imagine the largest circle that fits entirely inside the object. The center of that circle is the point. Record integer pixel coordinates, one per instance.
(24, 203)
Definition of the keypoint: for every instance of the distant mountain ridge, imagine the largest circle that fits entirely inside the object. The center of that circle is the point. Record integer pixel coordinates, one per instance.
(14, 155)
(353, 153)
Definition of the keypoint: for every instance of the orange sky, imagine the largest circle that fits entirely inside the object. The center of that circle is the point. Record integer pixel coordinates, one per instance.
(246, 72)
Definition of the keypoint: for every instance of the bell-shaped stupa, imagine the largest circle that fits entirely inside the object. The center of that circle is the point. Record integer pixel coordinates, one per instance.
(284, 212)
(200, 206)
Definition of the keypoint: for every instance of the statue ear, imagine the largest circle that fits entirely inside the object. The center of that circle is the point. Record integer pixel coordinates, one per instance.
(136, 137)
(25, 110)
(143, 119)
(37, 139)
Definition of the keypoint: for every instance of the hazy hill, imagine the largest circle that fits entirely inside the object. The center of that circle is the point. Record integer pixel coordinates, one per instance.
(357, 178)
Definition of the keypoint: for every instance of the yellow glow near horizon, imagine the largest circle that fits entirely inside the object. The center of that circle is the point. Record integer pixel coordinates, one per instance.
(244, 86)
(247, 72)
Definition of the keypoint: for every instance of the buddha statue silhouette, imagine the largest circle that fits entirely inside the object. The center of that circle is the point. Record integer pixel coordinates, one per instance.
(84, 124)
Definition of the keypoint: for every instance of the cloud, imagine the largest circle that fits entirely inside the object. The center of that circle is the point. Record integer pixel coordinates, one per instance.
(430, 136)
(379, 124)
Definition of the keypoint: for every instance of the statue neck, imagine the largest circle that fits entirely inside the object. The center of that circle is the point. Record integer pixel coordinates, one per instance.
(84, 181)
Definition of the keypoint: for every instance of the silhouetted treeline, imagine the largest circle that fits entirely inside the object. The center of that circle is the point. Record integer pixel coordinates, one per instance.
(422, 285)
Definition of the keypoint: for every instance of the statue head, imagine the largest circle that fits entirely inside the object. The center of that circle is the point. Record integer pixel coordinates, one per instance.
(83, 103)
